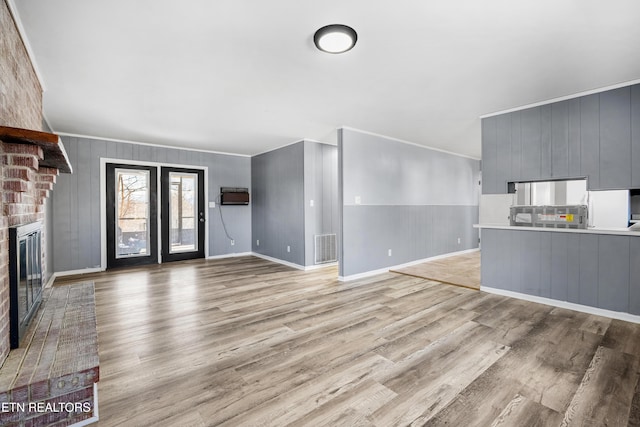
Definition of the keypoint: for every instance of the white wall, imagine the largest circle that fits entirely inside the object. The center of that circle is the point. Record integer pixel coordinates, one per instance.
(609, 209)
(494, 208)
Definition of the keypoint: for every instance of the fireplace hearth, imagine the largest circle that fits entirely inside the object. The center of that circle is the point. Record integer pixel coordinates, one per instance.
(25, 277)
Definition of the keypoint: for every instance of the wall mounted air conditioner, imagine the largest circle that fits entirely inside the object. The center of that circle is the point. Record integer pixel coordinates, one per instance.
(234, 196)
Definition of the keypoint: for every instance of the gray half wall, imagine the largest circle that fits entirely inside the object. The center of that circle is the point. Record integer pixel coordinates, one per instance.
(278, 203)
(415, 201)
(75, 201)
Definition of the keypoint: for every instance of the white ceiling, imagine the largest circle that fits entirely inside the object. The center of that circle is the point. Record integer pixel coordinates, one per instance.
(244, 77)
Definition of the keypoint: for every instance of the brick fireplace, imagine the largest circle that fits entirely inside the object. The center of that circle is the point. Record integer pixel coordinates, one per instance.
(58, 360)
(23, 181)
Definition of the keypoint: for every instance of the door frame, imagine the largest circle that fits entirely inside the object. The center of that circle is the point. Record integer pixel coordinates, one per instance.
(158, 165)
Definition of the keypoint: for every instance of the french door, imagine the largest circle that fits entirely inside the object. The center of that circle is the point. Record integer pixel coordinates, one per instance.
(183, 209)
(133, 216)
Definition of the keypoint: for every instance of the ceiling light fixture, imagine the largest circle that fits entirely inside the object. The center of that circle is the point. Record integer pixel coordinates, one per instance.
(335, 38)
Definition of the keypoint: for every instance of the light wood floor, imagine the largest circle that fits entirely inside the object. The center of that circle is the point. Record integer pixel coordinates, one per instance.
(460, 270)
(245, 342)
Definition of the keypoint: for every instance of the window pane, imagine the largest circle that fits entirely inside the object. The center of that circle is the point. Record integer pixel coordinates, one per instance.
(183, 212)
(132, 212)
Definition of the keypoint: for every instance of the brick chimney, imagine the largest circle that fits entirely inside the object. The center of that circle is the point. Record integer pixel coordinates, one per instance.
(22, 181)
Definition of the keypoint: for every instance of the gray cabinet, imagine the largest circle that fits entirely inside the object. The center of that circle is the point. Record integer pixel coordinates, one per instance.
(635, 136)
(560, 139)
(596, 270)
(564, 271)
(573, 137)
(530, 252)
(615, 139)
(590, 139)
(613, 272)
(489, 155)
(634, 281)
(595, 136)
(516, 146)
(530, 120)
(503, 153)
(588, 265)
(491, 251)
(545, 141)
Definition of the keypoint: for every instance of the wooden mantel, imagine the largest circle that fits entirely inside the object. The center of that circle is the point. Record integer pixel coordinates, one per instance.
(54, 154)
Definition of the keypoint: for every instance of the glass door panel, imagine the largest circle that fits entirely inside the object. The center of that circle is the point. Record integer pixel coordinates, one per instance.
(132, 213)
(132, 237)
(183, 212)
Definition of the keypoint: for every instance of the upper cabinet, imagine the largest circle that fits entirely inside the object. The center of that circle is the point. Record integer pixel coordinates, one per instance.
(503, 152)
(574, 137)
(635, 136)
(565, 139)
(595, 136)
(615, 139)
(560, 139)
(590, 140)
(490, 156)
(531, 127)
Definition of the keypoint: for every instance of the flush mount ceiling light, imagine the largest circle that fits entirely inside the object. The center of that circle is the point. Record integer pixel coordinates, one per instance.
(335, 38)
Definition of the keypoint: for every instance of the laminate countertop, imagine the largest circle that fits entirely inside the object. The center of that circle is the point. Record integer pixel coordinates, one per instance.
(610, 231)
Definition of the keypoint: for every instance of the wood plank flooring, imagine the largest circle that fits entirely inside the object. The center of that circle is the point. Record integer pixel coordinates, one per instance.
(460, 270)
(246, 342)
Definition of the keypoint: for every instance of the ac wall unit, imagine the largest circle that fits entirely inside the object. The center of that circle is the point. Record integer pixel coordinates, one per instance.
(234, 196)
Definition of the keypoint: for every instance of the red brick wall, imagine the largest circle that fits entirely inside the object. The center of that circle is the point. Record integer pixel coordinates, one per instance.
(21, 100)
(20, 106)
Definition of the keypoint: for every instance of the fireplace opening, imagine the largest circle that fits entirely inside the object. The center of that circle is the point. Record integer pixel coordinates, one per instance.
(25, 277)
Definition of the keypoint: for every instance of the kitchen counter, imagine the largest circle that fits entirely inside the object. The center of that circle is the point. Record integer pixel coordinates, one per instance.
(597, 268)
(609, 231)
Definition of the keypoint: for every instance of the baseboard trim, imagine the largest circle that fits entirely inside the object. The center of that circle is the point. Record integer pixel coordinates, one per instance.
(57, 274)
(233, 255)
(434, 258)
(363, 275)
(320, 266)
(279, 261)
(407, 264)
(627, 317)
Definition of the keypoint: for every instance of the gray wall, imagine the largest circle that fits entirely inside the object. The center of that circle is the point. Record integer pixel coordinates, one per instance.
(321, 186)
(415, 201)
(75, 203)
(277, 179)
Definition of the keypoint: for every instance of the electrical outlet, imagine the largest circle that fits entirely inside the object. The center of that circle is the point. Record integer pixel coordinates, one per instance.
(311, 203)
(258, 242)
(288, 248)
(458, 240)
(212, 204)
(390, 252)
(358, 200)
(233, 242)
